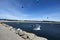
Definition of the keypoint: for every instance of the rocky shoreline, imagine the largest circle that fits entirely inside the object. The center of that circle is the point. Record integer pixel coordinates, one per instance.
(23, 34)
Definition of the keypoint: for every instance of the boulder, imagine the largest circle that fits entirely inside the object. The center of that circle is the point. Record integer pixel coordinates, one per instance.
(19, 32)
(24, 36)
(13, 30)
(10, 28)
(31, 36)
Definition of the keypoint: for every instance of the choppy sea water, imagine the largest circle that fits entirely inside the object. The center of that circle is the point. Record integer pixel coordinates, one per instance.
(49, 31)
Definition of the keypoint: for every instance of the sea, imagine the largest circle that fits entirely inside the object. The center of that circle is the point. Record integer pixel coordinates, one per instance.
(51, 31)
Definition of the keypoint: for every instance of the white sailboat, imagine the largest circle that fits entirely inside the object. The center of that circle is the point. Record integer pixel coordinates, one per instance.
(37, 27)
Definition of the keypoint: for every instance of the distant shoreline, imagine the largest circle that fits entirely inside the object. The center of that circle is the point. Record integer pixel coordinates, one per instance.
(29, 21)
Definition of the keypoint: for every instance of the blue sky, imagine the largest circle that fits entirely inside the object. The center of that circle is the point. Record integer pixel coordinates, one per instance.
(30, 9)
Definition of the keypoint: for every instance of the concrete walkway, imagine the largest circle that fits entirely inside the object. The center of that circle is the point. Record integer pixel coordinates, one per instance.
(6, 34)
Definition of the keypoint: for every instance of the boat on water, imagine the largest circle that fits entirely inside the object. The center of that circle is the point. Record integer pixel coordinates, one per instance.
(37, 27)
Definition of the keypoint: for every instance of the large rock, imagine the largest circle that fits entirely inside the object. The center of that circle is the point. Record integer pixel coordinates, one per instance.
(30, 35)
(13, 30)
(19, 32)
(24, 36)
